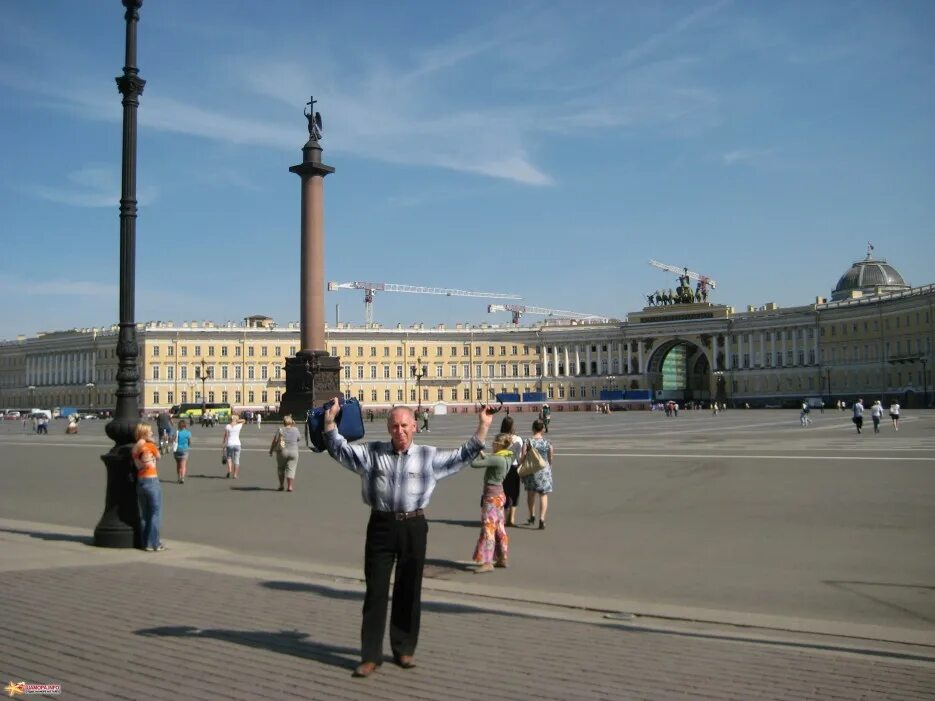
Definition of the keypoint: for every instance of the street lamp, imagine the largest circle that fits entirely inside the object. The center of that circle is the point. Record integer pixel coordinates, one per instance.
(925, 386)
(119, 525)
(90, 387)
(204, 378)
(418, 372)
(32, 395)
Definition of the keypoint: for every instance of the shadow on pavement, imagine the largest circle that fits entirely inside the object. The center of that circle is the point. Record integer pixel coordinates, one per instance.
(288, 642)
(434, 606)
(856, 588)
(63, 537)
(472, 523)
(206, 477)
(254, 489)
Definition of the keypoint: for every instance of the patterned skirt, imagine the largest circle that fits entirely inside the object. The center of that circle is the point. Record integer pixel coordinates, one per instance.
(493, 542)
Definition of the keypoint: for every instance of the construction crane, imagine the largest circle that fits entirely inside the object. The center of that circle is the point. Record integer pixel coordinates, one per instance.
(371, 288)
(518, 311)
(703, 279)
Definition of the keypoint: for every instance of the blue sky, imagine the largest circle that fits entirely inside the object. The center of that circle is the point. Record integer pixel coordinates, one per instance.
(549, 149)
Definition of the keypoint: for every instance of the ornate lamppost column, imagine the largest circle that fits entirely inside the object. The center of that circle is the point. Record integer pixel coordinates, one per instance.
(119, 525)
(312, 376)
(418, 373)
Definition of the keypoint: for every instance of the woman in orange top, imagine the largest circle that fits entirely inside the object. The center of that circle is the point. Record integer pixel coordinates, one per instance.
(145, 454)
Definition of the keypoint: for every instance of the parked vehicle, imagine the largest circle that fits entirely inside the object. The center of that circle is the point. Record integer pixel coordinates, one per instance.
(11, 415)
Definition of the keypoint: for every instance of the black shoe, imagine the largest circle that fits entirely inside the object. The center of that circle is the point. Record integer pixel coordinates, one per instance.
(541, 525)
(531, 520)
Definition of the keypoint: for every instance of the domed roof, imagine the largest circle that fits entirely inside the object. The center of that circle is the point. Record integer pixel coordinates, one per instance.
(869, 276)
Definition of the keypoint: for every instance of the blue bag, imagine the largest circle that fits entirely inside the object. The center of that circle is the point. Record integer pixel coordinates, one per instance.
(350, 421)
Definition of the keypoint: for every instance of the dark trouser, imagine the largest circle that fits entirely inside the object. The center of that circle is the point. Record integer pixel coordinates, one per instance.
(401, 542)
(511, 487)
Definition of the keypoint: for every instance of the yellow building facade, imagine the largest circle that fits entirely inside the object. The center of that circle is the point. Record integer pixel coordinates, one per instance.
(870, 341)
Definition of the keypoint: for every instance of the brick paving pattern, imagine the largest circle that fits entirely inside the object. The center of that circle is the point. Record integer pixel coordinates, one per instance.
(156, 631)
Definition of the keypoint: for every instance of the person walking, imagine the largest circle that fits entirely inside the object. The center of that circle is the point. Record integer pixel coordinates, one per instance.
(546, 416)
(511, 481)
(894, 414)
(145, 454)
(285, 447)
(540, 482)
(259, 421)
(876, 414)
(397, 481)
(858, 417)
(183, 444)
(166, 431)
(425, 421)
(230, 445)
(803, 415)
(493, 540)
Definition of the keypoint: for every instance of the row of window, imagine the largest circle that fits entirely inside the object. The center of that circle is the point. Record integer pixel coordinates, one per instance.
(875, 324)
(264, 374)
(225, 397)
(225, 351)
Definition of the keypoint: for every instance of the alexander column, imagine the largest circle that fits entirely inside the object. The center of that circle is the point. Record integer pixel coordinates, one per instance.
(312, 376)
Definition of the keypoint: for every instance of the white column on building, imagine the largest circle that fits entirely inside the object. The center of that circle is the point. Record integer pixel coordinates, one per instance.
(577, 359)
(773, 346)
(762, 348)
(620, 357)
(600, 357)
(639, 352)
(555, 359)
(587, 359)
(727, 352)
(740, 362)
(543, 359)
(567, 367)
(795, 346)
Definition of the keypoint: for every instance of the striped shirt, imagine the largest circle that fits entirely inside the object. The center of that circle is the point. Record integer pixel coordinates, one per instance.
(392, 481)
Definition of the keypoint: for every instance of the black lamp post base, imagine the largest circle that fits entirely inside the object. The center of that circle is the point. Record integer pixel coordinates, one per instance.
(120, 522)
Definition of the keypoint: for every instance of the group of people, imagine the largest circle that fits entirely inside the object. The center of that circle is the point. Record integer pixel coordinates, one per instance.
(146, 453)
(876, 414)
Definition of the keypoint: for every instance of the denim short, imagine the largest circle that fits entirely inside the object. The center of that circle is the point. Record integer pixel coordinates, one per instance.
(181, 454)
(233, 454)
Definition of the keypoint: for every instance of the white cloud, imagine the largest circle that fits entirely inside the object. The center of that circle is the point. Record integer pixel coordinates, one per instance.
(26, 288)
(747, 156)
(92, 186)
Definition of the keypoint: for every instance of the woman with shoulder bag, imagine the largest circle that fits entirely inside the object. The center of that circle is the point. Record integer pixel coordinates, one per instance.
(285, 446)
(540, 482)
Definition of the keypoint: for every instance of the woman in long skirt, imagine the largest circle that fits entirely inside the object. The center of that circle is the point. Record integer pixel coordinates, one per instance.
(493, 544)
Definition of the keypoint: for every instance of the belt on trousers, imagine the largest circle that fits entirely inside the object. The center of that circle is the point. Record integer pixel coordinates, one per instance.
(399, 515)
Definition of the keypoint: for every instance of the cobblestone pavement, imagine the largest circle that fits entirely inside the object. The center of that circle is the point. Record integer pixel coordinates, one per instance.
(199, 623)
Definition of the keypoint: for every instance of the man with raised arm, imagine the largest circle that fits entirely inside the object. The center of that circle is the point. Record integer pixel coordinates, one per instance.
(397, 481)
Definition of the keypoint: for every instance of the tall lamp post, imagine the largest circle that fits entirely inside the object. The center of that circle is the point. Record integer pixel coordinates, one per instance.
(32, 395)
(204, 378)
(90, 387)
(418, 372)
(120, 524)
(925, 386)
